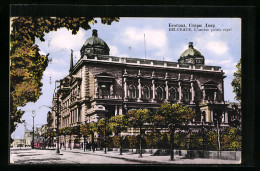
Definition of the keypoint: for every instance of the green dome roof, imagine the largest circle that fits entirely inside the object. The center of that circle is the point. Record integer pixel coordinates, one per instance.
(191, 56)
(94, 45)
(191, 51)
(95, 40)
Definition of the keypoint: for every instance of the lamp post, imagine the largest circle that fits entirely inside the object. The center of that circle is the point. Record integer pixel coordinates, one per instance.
(33, 115)
(57, 114)
(105, 135)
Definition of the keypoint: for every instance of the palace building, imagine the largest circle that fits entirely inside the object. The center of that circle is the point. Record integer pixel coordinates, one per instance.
(100, 85)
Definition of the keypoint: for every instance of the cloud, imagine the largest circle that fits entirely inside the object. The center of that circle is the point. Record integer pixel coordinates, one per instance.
(153, 38)
(50, 72)
(59, 62)
(113, 50)
(217, 47)
(64, 39)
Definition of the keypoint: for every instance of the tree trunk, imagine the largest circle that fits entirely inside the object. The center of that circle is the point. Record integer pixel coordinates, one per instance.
(141, 155)
(70, 142)
(65, 142)
(84, 140)
(172, 143)
(92, 141)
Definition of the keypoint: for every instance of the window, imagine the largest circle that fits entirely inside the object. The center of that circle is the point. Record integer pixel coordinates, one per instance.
(210, 95)
(185, 94)
(103, 91)
(159, 94)
(145, 93)
(172, 94)
(131, 92)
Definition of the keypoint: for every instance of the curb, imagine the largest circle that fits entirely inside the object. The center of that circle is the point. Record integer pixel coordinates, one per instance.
(123, 158)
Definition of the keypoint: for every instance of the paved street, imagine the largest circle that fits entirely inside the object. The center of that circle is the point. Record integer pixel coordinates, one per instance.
(36, 156)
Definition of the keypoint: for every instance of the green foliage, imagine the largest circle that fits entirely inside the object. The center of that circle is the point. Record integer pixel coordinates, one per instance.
(196, 141)
(236, 83)
(93, 127)
(116, 141)
(180, 140)
(27, 65)
(132, 141)
(137, 118)
(117, 124)
(212, 140)
(176, 114)
(85, 130)
(231, 139)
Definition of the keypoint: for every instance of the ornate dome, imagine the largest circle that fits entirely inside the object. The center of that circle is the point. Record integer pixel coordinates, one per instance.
(191, 56)
(94, 45)
(191, 51)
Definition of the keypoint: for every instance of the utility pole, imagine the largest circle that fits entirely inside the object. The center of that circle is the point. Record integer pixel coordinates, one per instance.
(57, 114)
(33, 115)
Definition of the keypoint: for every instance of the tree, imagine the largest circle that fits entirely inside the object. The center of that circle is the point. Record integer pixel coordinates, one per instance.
(174, 116)
(236, 83)
(132, 141)
(27, 65)
(93, 129)
(85, 132)
(231, 139)
(137, 119)
(118, 124)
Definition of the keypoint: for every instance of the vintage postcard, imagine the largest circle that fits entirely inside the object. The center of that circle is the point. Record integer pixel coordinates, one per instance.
(125, 90)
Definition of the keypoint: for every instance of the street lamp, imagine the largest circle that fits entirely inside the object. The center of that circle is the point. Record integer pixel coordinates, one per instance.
(57, 114)
(105, 135)
(33, 115)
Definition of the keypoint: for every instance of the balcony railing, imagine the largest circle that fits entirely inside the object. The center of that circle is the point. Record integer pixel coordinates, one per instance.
(136, 61)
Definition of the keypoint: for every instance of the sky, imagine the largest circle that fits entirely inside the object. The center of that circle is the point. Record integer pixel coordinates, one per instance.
(138, 38)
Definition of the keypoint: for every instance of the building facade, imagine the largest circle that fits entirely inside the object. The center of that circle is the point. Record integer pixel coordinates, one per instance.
(100, 86)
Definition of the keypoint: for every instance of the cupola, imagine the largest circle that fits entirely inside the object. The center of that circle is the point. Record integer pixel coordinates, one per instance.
(191, 56)
(94, 45)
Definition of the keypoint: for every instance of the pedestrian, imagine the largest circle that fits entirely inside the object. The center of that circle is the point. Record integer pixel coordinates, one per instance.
(81, 145)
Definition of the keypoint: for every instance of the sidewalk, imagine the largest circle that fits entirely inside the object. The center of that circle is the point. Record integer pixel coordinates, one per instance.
(149, 159)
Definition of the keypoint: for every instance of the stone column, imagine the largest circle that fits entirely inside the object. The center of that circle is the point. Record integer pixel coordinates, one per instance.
(116, 111)
(77, 113)
(192, 92)
(226, 117)
(139, 90)
(223, 117)
(215, 95)
(204, 94)
(167, 91)
(96, 89)
(179, 83)
(120, 110)
(211, 115)
(125, 88)
(111, 90)
(153, 88)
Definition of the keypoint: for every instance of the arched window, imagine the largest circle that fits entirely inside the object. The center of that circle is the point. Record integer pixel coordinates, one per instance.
(145, 93)
(159, 94)
(131, 92)
(185, 95)
(172, 94)
(103, 91)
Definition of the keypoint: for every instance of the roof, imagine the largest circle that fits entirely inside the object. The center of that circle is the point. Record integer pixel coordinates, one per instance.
(95, 40)
(191, 51)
